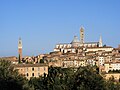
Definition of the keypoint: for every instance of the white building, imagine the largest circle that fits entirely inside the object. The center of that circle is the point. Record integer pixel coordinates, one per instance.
(76, 43)
(91, 62)
(112, 66)
(101, 60)
(106, 49)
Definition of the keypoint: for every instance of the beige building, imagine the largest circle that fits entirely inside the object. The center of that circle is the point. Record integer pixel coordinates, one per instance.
(32, 70)
(116, 76)
(101, 60)
(73, 63)
(95, 49)
(80, 53)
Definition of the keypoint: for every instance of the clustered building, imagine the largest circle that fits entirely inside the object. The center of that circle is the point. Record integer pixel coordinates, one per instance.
(75, 54)
(80, 53)
(32, 70)
(29, 66)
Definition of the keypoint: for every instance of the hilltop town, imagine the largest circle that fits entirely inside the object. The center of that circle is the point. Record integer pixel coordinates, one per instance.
(74, 54)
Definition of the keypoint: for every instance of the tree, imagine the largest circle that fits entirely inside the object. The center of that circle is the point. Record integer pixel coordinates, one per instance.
(112, 84)
(57, 79)
(41, 60)
(10, 79)
(19, 60)
(87, 78)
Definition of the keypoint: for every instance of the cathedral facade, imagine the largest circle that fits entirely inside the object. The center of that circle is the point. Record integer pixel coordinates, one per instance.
(77, 45)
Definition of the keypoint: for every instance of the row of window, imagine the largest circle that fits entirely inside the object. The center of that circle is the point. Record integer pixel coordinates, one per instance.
(32, 74)
(34, 69)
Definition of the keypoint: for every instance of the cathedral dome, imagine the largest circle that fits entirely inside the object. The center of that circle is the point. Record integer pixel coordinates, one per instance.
(75, 39)
(75, 42)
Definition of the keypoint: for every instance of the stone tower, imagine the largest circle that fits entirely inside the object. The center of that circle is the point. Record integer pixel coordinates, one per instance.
(100, 42)
(82, 35)
(20, 48)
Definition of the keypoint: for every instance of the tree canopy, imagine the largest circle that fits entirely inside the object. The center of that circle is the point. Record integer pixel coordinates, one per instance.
(82, 78)
(10, 78)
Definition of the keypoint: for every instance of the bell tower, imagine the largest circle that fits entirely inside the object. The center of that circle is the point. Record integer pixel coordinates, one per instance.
(81, 35)
(20, 48)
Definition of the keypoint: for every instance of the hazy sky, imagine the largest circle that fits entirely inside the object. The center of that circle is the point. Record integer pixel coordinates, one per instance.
(43, 23)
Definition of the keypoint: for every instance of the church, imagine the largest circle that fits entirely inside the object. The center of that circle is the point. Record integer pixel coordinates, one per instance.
(77, 45)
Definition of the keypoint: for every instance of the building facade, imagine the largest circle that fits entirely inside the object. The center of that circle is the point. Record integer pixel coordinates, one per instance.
(32, 70)
(76, 43)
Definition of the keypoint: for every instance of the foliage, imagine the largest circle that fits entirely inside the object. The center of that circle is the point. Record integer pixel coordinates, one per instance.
(82, 78)
(9, 77)
(19, 60)
(87, 78)
(111, 84)
(56, 79)
(41, 60)
(67, 79)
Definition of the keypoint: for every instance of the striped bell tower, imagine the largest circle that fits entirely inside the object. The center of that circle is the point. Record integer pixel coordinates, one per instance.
(20, 48)
(81, 35)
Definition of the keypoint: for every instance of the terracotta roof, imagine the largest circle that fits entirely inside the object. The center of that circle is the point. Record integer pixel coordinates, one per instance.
(30, 65)
(99, 47)
(117, 48)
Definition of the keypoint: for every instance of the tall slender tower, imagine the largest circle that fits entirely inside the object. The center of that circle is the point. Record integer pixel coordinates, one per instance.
(82, 35)
(100, 42)
(20, 48)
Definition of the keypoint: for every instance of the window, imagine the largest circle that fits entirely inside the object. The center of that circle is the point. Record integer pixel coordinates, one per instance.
(33, 74)
(38, 68)
(27, 69)
(33, 69)
(44, 68)
(27, 74)
(38, 74)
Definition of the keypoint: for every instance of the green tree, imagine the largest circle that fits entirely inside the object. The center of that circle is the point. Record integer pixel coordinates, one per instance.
(112, 84)
(10, 79)
(19, 60)
(41, 60)
(87, 78)
(38, 83)
(83, 78)
(57, 79)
